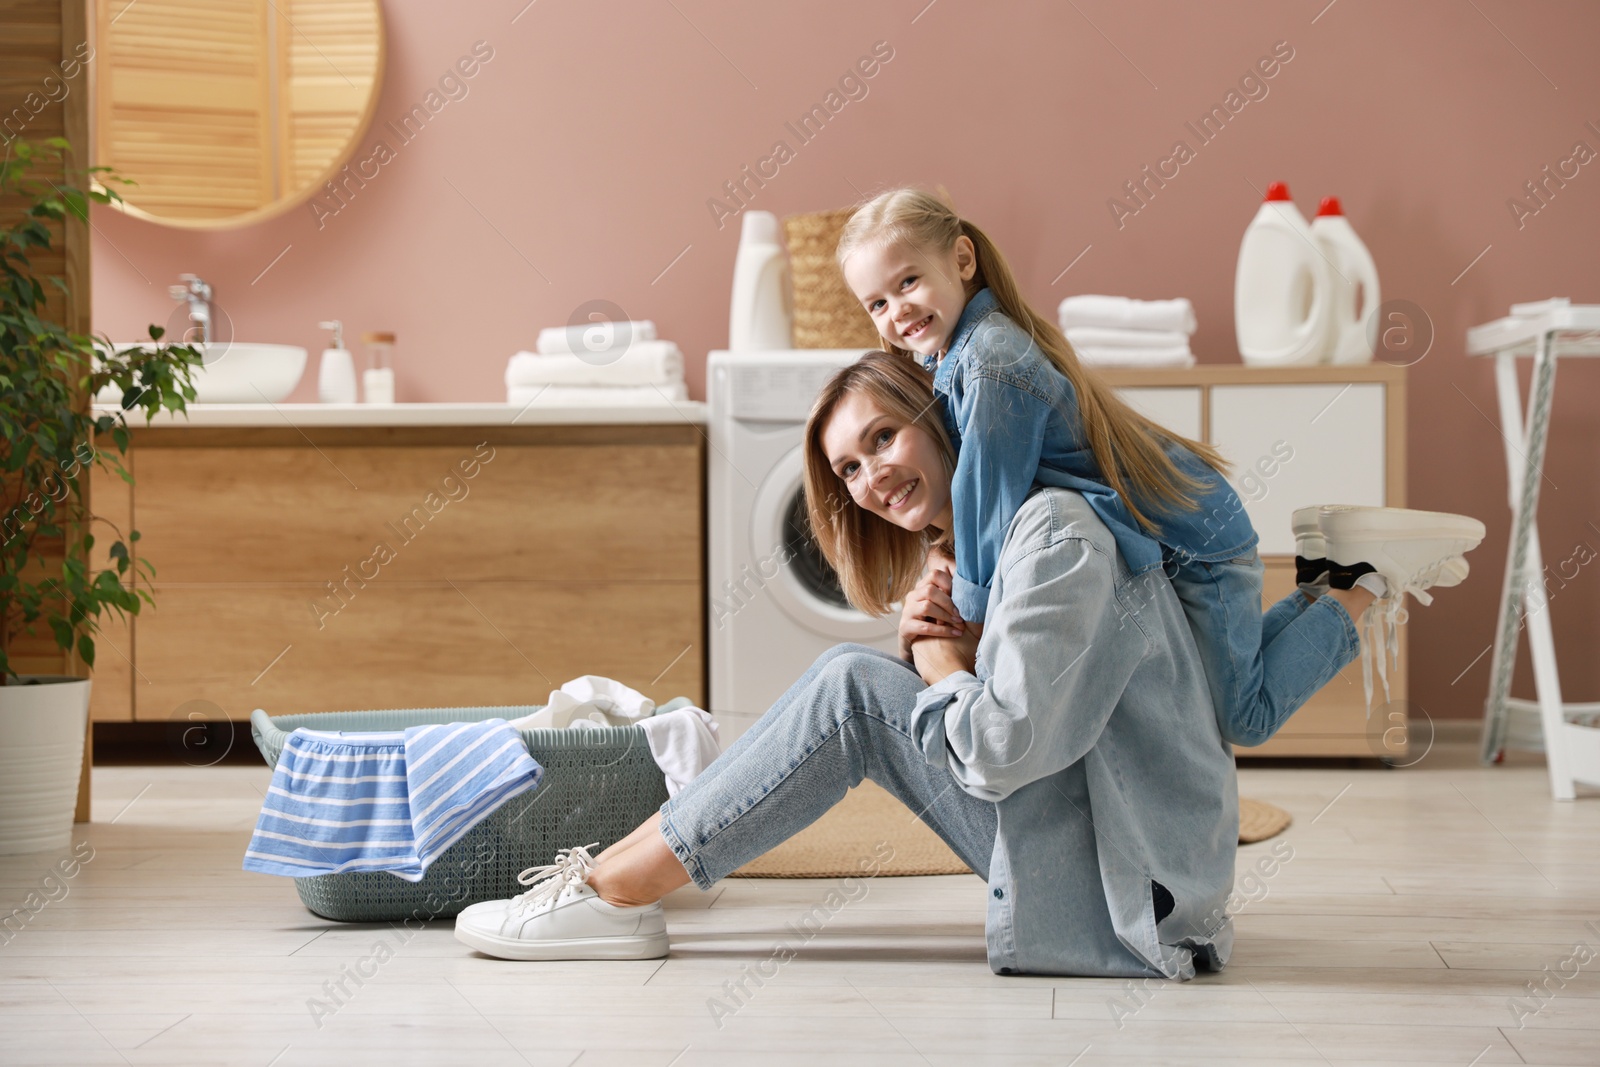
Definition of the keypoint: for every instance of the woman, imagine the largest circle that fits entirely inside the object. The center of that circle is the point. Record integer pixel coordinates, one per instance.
(1068, 754)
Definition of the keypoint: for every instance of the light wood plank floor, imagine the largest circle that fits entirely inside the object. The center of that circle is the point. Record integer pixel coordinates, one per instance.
(1416, 909)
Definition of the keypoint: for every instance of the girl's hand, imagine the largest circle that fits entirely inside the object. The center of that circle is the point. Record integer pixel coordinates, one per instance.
(928, 610)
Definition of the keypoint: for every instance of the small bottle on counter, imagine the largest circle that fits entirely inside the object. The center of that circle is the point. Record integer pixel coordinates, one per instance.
(377, 381)
(336, 374)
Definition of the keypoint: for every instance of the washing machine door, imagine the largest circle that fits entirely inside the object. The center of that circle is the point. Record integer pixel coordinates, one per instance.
(790, 566)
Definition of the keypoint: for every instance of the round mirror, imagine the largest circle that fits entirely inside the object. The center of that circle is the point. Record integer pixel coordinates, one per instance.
(228, 112)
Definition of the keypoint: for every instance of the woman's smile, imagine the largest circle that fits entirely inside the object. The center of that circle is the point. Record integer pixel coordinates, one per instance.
(898, 497)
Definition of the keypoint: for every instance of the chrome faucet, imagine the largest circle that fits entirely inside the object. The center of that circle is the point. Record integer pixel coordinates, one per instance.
(198, 294)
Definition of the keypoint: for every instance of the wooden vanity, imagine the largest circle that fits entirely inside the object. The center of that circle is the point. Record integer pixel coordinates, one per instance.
(324, 557)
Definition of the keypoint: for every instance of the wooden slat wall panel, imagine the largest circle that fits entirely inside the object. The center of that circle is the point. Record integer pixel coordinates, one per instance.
(185, 104)
(111, 697)
(330, 58)
(36, 36)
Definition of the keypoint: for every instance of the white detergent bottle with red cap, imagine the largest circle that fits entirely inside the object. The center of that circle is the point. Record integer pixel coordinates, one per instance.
(1282, 299)
(1354, 277)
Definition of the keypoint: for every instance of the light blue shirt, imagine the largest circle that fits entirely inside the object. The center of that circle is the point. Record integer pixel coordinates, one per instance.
(1089, 724)
(1014, 418)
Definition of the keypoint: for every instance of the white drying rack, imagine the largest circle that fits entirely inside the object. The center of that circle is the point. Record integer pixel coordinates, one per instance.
(1569, 734)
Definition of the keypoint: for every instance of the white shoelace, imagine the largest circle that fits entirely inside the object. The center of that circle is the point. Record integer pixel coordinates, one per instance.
(571, 868)
(1380, 623)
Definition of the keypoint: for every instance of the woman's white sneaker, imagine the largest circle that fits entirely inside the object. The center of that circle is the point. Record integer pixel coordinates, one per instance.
(562, 918)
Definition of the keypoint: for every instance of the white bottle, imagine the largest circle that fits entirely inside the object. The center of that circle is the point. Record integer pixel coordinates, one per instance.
(336, 374)
(760, 314)
(1281, 295)
(377, 381)
(1354, 277)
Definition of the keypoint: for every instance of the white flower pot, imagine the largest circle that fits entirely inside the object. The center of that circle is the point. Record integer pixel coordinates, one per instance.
(42, 730)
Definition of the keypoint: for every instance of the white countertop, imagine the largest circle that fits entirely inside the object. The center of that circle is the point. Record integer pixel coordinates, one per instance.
(536, 414)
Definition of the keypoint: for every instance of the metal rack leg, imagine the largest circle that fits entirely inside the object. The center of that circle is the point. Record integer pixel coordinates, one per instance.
(1519, 584)
(1508, 621)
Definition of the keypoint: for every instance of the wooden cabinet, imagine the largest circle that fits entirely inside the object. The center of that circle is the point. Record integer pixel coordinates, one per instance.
(333, 568)
(1299, 436)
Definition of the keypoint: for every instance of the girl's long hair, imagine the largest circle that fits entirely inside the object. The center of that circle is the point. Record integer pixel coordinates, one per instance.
(877, 561)
(1128, 448)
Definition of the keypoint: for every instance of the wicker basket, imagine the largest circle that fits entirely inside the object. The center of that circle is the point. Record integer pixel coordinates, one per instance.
(598, 785)
(826, 313)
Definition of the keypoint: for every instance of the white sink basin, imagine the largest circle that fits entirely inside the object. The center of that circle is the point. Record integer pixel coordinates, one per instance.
(237, 373)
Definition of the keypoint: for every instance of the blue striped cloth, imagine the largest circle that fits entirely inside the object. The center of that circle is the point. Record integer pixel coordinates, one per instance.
(386, 800)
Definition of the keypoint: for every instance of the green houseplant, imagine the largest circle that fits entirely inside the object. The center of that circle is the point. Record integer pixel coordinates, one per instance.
(49, 574)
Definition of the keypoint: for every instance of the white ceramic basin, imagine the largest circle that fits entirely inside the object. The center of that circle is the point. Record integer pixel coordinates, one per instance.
(238, 373)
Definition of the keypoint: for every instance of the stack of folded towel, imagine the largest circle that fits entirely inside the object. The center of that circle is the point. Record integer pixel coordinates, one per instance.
(1117, 331)
(605, 363)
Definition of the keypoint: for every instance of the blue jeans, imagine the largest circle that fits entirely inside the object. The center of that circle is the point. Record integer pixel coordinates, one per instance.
(1261, 668)
(847, 718)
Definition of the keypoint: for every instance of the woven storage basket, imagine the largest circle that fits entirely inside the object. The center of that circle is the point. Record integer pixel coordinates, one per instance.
(598, 785)
(826, 313)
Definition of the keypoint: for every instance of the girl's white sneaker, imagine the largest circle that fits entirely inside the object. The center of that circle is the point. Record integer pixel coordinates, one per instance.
(1412, 551)
(562, 918)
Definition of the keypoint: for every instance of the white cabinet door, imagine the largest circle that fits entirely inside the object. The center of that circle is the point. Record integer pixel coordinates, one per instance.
(1297, 445)
(1176, 407)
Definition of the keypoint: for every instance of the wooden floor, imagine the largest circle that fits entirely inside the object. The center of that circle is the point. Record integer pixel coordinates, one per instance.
(1417, 907)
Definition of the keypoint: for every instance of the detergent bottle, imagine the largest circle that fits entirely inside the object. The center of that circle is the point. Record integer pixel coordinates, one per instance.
(1354, 278)
(1282, 299)
(761, 311)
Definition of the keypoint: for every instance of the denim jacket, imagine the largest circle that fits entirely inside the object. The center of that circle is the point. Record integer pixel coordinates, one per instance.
(1013, 416)
(1089, 725)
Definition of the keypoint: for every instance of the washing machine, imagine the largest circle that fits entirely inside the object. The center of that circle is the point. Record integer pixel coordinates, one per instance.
(774, 602)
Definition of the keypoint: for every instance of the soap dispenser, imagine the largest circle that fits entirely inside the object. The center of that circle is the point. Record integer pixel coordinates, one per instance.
(336, 376)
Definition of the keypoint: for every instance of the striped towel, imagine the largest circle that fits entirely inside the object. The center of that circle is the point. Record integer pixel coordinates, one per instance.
(384, 800)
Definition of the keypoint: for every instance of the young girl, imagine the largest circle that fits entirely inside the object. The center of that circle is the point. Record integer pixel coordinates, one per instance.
(1023, 411)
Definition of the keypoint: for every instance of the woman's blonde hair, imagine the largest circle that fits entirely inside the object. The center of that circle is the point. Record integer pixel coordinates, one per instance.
(877, 561)
(1127, 446)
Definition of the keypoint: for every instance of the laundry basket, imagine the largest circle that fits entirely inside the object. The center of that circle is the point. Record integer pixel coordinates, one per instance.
(598, 785)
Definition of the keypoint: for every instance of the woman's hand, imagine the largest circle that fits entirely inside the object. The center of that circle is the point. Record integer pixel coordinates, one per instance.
(928, 609)
(938, 657)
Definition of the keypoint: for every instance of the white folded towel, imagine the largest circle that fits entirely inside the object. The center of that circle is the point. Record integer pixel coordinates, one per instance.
(642, 363)
(596, 395)
(1147, 358)
(595, 337)
(1107, 337)
(1121, 312)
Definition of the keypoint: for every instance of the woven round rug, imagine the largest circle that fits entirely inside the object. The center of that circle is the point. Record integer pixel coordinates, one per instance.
(1259, 820)
(871, 831)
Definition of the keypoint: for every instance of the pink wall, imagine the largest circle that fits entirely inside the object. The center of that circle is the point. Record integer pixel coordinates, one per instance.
(580, 163)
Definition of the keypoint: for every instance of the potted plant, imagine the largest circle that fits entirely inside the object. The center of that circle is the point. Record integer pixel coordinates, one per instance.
(48, 571)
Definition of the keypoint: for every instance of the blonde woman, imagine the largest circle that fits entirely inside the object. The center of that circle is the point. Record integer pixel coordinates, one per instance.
(1069, 756)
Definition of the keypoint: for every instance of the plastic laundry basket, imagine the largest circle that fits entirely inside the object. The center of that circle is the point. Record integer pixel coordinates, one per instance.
(598, 785)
